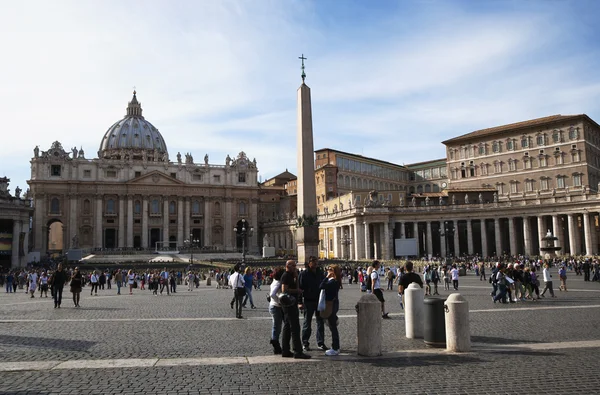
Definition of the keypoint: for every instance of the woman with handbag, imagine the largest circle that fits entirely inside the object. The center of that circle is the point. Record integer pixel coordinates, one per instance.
(330, 287)
(276, 310)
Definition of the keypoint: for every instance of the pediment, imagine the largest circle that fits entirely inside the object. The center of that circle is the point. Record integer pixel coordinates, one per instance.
(156, 178)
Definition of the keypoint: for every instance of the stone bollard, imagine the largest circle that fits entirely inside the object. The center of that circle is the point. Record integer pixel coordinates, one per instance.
(208, 281)
(458, 332)
(414, 311)
(369, 326)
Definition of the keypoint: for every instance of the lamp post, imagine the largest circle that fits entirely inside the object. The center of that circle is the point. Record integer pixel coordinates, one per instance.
(191, 242)
(243, 232)
(346, 241)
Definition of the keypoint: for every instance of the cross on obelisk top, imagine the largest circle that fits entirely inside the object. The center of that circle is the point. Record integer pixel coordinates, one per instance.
(303, 73)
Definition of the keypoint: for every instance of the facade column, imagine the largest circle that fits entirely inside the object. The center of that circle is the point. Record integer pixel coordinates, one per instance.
(72, 222)
(416, 237)
(542, 231)
(367, 241)
(526, 236)
(38, 224)
(402, 233)
(594, 235)
(165, 214)
(16, 233)
(587, 234)
(351, 253)
(187, 231)
(144, 222)
(557, 232)
(180, 235)
(469, 237)
(456, 238)
(512, 236)
(336, 242)
(130, 221)
(25, 228)
(498, 237)
(429, 241)
(442, 231)
(387, 240)
(207, 222)
(572, 236)
(358, 251)
(228, 236)
(121, 220)
(484, 240)
(98, 228)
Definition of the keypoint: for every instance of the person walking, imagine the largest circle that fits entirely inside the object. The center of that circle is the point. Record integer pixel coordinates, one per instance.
(76, 284)
(454, 274)
(290, 293)
(331, 286)
(44, 284)
(547, 281)
(376, 287)
(309, 282)
(118, 281)
(562, 275)
(276, 310)
(95, 282)
(57, 282)
(164, 281)
(248, 281)
(236, 281)
(32, 279)
(130, 280)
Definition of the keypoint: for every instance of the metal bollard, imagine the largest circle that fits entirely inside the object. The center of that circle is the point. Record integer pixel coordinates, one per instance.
(208, 281)
(458, 332)
(413, 311)
(369, 333)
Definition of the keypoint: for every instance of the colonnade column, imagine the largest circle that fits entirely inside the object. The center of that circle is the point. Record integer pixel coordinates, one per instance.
(469, 237)
(336, 241)
(208, 223)
(165, 213)
(121, 235)
(416, 237)
(526, 236)
(180, 236)
(456, 239)
(572, 236)
(351, 251)
(144, 222)
(130, 221)
(498, 236)
(587, 234)
(227, 241)
(511, 236)
(401, 224)
(429, 240)
(367, 241)
(14, 259)
(38, 223)
(556, 230)
(594, 235)
(98, 231)
(357, 239)
(442, 233)
(484, 240)
(542, 231)
(253, 242)
(388, 233)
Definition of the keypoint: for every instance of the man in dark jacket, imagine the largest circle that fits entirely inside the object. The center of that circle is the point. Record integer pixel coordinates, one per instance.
(58, 281)
(309, 281)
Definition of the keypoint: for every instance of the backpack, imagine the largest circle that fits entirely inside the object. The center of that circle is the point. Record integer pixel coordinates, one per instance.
(368, 282)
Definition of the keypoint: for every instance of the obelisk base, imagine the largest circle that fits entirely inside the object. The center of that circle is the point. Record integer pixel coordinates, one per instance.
(307, 240)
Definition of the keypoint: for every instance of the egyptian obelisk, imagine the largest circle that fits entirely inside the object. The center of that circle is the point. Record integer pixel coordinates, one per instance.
(307, 233)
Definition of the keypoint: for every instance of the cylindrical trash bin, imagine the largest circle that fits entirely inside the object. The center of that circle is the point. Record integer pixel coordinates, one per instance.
(434, 327)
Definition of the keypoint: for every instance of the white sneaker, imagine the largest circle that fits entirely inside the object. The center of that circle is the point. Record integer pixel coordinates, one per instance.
(332, 352)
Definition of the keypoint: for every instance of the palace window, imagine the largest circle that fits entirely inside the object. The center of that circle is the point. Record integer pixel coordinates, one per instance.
(500, 188)
(558, 158)
(195, 207)
(572, 134)
(482, 149)
(510, 145)
(512, 165)
(497, 167)
(577, 177)
(496, 147)
(525, 142)
(242, 208)
(110, 206)
(556, 136)
(575, 156)
(543, 161)
(514, 187)
(155, 207)
(560, 182)
(484, 169)
(544, 183)
(86, 206)
(217, 208)
(172, 207)
(87, 174)
(541, 139)
(137, 207)
(529, 185)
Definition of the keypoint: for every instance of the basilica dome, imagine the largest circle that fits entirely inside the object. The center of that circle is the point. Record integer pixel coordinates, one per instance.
(132, 135)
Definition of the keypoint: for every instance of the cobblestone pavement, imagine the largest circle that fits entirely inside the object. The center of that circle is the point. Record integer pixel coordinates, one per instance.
(190, 342)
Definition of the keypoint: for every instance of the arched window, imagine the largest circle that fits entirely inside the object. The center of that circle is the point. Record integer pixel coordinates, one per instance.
(195, 207)
(217, 208)
(155, 207)
(110, 206)
(427, 188)
(347, 181)
(411, 190)
(86, 206)
(436, 188)
(353, 182)
(420, 189)
(242, 208)
(172, 207)
(137, 207)
(55, 206)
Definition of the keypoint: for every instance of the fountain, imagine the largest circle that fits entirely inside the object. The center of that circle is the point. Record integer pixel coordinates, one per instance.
(549, 249)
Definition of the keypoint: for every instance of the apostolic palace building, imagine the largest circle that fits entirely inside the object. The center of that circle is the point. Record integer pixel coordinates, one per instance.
(134, 195)
(497, 191)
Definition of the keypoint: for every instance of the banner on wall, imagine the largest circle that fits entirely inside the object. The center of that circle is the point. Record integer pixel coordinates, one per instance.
(5, 243)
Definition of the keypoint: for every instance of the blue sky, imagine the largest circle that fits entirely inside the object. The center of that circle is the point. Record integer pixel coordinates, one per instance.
(389, 79)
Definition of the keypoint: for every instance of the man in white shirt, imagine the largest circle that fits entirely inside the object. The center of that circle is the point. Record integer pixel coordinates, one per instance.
(454, 274)
(547, 281)
(236, 281)
(376, 288)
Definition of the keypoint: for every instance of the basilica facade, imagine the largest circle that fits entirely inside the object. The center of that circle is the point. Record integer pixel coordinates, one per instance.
(135, 195)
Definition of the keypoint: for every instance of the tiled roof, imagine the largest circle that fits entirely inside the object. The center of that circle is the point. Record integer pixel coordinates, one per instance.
(360, 157)
(515, 126)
